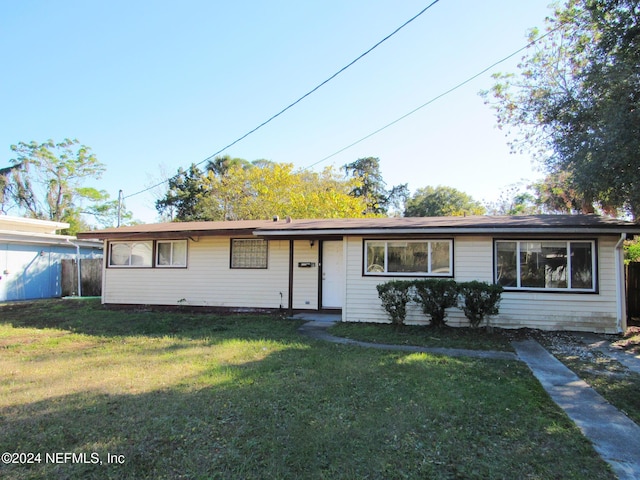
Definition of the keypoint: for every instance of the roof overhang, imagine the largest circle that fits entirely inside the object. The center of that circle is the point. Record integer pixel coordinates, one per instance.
(32, 225)
(173, 235)
(384, 232)
(376, 227)
(46, 239)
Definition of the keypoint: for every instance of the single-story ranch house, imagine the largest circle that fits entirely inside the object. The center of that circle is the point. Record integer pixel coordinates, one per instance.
(559, 272)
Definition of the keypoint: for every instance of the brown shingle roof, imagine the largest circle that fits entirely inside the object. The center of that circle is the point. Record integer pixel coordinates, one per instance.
(405, 225)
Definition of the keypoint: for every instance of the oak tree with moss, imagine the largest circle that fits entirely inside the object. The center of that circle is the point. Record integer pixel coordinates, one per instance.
(575, 101)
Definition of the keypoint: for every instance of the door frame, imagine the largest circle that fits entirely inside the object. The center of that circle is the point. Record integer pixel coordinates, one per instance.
(320, 274)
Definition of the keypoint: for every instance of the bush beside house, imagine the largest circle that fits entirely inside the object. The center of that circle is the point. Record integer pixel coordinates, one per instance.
(395, 296)
(478, 300)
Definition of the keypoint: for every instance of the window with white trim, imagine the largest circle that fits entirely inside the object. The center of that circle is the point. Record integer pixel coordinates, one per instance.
(556, 265)
(249, 253)
(131, 254)
(409, 257)
(171, 253)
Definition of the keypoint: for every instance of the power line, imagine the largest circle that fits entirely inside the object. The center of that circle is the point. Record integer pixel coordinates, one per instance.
(437, 97)
(273, 117)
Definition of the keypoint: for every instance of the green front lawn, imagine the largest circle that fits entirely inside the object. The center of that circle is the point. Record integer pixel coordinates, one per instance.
(195, 396)
(425, 336)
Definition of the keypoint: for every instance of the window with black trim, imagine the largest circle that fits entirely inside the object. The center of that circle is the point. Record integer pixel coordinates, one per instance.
(408, 257)
(556, 265)
(249, 253)
(131, 254)
(171, 253)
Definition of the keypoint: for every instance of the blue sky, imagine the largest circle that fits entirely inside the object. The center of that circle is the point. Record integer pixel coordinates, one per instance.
(154, 85)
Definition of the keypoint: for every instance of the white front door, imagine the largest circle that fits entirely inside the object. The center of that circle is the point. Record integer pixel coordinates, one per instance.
(333, 285)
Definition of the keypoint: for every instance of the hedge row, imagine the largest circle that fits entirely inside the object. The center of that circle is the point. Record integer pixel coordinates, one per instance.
(477, 300)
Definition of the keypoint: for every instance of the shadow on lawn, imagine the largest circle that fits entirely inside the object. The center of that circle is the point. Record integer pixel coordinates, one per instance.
(306, 410)
(89, 317)
(332, 412)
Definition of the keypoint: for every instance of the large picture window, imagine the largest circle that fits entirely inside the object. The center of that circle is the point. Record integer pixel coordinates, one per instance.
(409, 257)
(546, 265)
(249, 253)
(130, 254)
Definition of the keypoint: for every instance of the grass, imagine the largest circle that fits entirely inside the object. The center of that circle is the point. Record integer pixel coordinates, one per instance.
(195, 396)
(424, 336)
(613, 381)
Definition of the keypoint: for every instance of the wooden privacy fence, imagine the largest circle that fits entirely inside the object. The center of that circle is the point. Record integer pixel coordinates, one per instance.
(633, 289)
(90, 275)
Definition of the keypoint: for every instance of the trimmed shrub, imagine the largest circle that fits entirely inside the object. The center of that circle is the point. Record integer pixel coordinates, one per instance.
(435, 296)
(394, 296)
(479, 300)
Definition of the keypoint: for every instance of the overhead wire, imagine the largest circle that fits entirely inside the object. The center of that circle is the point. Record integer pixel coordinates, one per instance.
(429, 102)
(291, 105)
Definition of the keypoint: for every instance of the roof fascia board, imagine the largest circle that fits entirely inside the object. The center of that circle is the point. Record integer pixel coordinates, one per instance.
(44, 239)
(161, 235)
(449, 231)
(33, 224)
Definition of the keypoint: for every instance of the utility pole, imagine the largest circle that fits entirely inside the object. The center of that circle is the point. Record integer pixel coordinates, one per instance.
(119, 207)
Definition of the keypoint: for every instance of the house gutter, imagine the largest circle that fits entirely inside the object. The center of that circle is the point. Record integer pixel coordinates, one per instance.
(430, 231)
(78, 265)
(621, 315)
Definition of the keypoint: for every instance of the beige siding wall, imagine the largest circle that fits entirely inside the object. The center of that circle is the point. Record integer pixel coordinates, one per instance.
(473, 260)
(208, 280)
(305, 280)
(558, 311)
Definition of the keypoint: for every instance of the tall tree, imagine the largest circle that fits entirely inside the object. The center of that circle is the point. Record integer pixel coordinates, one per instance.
(575, 102)
(50, 181)
(440, 202)
(259, 190)
(276, 189)
(6, 188)
(515, 200)
(372, 187)
(552, 195)
(188, 198)
(556, 194)
(221, 164)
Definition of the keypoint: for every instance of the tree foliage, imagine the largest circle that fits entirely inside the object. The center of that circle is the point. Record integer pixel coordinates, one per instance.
(373, 189)
(554, 194)
(515, 201)
(632, 251)
(575, 100)
(187, 198)
(441, 201)
(49, 181)
(234, 189)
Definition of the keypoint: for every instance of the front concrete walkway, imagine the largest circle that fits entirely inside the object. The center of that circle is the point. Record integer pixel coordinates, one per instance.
(614, 436)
